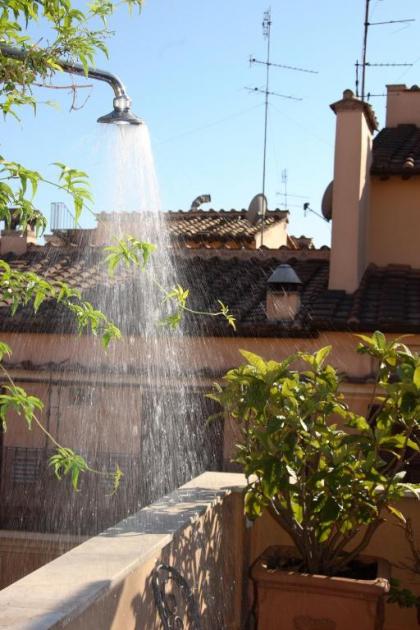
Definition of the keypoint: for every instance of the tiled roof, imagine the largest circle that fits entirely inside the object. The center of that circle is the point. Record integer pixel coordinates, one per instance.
(396, 151)
(80, 268)
(300, 242)
(205, 226)
(388, 298)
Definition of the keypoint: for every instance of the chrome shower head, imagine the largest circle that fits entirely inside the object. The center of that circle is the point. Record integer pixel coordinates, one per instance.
(121, 114)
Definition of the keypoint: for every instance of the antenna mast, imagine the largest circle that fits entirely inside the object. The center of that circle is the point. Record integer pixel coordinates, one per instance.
(365, 37)
(365, 63)
(266, 27)
(284, 182)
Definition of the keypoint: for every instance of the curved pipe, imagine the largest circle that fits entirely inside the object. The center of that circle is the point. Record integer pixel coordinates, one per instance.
(122, 102)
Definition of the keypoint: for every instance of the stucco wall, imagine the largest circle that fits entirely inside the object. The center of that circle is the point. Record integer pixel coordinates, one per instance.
(393, 233)
(275, 236)
(402, 106)
(24, 552)
(106, 581)
(112, 423)
(353, 143)
(118, 397)
(201, 531)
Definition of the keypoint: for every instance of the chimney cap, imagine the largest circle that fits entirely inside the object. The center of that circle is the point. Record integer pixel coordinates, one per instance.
(284, 277)
(350, 102)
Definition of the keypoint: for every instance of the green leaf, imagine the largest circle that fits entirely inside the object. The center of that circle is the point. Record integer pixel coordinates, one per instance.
(4, 350)
(416, 377)
(415, 446)
(253, 507)
(321, 355)
(359, 422)
(368, 340)
(39, 298)
(379, 340)
(66, 462)
(297, 510)
(254, 360)
(396, 513)
(117, 475)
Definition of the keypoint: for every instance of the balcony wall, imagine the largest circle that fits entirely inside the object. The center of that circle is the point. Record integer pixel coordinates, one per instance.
(106, 581)
(201, 531)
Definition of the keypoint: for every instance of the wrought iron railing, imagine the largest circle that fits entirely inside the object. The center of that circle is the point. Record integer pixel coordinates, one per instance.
(167, 582)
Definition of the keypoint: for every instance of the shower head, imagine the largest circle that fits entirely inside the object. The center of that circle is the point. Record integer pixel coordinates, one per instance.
(121, 114)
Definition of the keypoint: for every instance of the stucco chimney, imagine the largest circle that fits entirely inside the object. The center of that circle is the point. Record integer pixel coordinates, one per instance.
(355, 125)
(13, 240)
(402, 105)
(283, 298)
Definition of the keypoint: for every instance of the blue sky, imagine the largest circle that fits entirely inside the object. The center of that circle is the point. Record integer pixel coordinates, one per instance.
(185, 65)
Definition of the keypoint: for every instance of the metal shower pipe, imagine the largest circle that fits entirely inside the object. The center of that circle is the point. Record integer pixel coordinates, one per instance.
(121, 113)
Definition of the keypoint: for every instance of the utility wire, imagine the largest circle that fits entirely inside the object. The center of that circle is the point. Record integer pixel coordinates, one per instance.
(208, 125)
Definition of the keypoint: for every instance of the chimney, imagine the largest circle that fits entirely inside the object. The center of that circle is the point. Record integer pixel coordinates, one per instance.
(16, 241)
(355, 125)
(402, 105)
(283, 297)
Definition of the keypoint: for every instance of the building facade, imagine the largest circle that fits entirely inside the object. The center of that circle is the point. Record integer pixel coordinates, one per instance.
(369, 280)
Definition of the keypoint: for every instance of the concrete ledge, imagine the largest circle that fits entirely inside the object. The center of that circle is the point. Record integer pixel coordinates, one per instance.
(58, 594)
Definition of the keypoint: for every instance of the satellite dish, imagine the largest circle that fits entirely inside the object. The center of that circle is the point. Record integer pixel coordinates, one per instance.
(257, 208)
(327, 199)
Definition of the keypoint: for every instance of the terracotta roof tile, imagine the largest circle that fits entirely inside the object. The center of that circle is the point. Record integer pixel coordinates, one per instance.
(388, 298)
(204, 226)
(396, 151)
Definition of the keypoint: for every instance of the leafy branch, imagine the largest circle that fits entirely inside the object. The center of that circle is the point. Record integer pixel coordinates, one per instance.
(65, 461)
(131, 251)
(20, 288)
(72, 181)
(74, 34)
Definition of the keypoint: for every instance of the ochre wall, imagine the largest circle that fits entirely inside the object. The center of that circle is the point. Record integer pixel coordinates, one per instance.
(402, 106)
(394, 222)
(79, 423)
(22, 553)
(212, 551)
(353, 143)
(218, 353)
(275, 236)
(102, 422)
(209, 554)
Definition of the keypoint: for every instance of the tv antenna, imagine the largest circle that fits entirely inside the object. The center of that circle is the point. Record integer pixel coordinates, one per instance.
(365, 64)
(266, 27)
(307, 208)
(284, 186)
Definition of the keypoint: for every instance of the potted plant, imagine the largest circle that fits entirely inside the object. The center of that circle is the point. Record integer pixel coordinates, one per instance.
(329, 477)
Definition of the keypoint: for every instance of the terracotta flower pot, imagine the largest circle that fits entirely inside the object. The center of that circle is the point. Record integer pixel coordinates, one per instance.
(287, 600)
